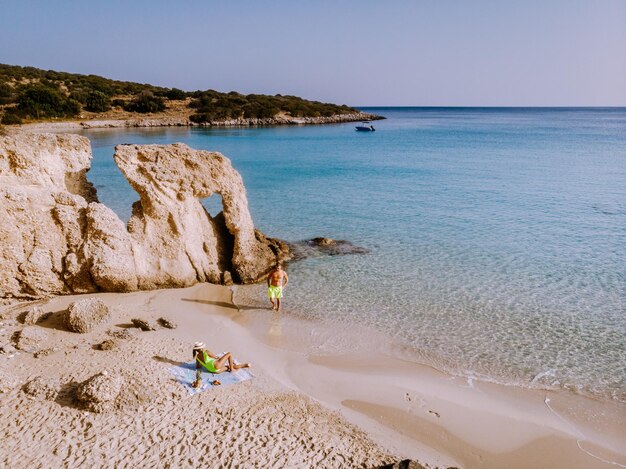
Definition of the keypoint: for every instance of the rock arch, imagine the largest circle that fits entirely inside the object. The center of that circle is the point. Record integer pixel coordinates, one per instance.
(56, 238)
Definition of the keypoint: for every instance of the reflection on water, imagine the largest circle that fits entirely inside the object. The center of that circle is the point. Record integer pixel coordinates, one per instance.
(275, 330)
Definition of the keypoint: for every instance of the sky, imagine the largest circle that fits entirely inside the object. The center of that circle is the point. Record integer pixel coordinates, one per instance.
(360, 53)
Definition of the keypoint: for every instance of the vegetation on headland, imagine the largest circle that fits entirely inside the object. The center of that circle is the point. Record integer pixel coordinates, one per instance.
(211, 106)
(31, 94)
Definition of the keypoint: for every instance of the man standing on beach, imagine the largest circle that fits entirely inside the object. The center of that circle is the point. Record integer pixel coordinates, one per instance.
(276, 281)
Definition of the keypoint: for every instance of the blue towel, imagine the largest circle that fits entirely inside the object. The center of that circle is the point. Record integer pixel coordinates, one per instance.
(185, 374)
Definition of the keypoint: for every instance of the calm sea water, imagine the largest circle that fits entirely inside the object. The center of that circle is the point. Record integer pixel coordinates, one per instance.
(498, 236)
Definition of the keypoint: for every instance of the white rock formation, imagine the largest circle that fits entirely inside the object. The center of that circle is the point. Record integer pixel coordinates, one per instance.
(55, 238)
(174, 239)
(43, 190)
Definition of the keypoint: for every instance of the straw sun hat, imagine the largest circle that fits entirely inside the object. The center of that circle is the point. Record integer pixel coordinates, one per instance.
(198, 345)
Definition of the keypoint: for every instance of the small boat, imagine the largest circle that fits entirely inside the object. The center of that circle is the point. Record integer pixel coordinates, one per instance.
(366, 126)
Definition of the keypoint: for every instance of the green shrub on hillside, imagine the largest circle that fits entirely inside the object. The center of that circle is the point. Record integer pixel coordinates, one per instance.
(41, 101)
(145, 102)
(80, 95)
(210, 105)
(176, 94)
(41, 94)
(97, 101)
(10, 117)
(6, 94)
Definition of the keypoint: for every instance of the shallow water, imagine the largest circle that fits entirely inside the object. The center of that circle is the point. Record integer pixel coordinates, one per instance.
(498, 236)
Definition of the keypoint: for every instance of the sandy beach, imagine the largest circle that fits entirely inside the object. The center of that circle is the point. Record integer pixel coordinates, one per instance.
(301, 409)
(238, 236)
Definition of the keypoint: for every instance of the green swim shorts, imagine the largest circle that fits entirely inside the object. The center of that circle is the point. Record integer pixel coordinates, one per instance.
(275, 292)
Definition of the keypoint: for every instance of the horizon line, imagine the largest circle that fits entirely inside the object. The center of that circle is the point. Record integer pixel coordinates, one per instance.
(494, 107)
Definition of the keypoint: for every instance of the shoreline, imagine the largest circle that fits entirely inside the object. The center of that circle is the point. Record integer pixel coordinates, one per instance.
(458, 417)
(183, 121)
(411, 410)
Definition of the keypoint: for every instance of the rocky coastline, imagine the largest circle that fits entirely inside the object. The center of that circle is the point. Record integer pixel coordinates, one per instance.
(184, 121)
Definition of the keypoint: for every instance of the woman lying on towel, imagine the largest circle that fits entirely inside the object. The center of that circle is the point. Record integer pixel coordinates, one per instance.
(214, 364)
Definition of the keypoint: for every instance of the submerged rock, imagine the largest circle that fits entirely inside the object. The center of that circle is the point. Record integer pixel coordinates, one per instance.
(83, 315)
(98, 393)
(323, 241)
(317, 247)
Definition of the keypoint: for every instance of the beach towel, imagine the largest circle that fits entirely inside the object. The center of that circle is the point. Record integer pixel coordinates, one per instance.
(185, 374)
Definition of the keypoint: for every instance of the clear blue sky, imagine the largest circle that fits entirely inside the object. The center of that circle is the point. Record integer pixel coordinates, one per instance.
(365, 52)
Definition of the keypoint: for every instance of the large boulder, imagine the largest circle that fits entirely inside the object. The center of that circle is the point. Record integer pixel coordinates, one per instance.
(57, 239)
(83, 315)
(110, 251)
(99, 392)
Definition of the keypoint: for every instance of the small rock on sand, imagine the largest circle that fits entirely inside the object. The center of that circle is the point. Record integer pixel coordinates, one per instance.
(108, 344)
(29, 339)
(143, 325)
(122, 334)
(166, 323)
(227, 278)
(42, 388)
(8, 381)
(34, 316)
(45, 352)
(83, 315)
(7, 348)
(404, 464)
(99, 392)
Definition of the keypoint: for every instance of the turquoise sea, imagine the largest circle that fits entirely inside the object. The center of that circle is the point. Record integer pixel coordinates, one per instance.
(497, 236)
